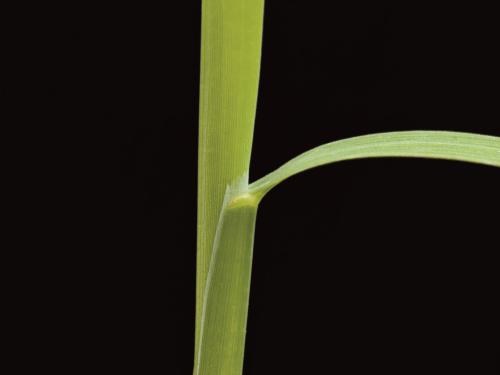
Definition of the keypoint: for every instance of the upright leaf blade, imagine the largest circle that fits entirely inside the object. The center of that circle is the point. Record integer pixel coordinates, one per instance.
(230, 63)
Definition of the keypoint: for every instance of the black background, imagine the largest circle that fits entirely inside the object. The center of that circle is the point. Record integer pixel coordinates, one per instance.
(373, 265)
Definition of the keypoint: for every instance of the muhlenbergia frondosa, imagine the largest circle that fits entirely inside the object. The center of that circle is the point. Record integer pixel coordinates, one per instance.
(228, 203)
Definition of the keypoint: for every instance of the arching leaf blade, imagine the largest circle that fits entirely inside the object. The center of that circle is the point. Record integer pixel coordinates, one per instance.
(467, 147)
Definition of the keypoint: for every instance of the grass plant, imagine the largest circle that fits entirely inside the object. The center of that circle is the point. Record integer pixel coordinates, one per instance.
(228, 202)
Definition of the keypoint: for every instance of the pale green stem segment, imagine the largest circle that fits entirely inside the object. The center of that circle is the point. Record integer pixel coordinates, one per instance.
(474, 148)
(231, 40)
(225, 308)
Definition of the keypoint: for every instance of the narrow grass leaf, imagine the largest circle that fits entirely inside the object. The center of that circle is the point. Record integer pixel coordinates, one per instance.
(474, 148)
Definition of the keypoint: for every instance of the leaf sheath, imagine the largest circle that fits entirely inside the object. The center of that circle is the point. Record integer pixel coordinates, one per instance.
(225, 308)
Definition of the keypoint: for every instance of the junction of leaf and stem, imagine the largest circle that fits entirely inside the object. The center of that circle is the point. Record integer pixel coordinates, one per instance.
(244, 199)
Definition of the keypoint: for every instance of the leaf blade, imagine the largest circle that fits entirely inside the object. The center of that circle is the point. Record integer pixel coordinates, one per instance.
(469, 147)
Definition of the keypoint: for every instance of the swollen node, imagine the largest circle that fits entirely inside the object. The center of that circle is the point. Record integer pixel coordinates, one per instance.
(244, 200)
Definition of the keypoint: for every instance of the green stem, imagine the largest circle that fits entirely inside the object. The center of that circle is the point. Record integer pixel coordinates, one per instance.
(231, 39)
(225, 307)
